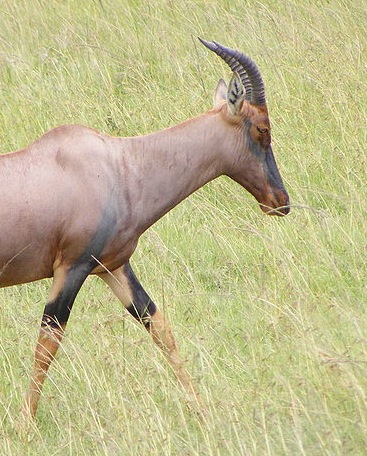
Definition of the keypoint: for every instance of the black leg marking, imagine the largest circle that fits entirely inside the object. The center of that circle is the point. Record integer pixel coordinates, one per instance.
(57, 312)
(142, 307)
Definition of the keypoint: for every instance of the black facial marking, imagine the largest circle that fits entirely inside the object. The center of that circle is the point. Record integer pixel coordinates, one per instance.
(273, 172)
(142, 307)
(266, 157)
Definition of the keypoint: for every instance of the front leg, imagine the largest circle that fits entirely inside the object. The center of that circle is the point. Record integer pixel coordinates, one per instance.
(130, 292)
(65, 286)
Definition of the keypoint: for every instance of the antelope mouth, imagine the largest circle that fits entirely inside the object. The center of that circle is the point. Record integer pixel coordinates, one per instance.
(280, 210)
(277, 204)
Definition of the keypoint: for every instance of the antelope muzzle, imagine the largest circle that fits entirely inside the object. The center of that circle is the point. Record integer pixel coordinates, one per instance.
(275, 200)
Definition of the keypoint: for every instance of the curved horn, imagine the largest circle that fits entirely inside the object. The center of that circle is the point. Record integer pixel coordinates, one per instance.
(246, 69)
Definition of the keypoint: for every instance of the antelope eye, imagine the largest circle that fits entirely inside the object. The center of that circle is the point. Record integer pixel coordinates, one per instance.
(262, 129)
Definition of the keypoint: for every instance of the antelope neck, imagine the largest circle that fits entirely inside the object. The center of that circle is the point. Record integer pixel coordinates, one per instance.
(165, 167)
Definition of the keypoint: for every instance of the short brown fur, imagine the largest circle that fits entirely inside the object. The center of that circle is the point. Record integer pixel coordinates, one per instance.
(76, 201)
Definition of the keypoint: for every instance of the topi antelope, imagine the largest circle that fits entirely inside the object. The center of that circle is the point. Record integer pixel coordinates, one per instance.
(76, 201)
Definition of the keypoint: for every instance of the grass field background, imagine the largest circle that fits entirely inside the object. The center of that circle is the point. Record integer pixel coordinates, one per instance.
(269, 313)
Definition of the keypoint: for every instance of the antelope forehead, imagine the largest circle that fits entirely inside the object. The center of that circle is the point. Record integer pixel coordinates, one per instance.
(255, 115)
(260, 120)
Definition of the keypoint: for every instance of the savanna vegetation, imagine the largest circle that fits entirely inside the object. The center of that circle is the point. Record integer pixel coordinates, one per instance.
(270, 313)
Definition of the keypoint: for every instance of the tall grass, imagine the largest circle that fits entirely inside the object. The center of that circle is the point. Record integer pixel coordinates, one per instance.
(270, 314)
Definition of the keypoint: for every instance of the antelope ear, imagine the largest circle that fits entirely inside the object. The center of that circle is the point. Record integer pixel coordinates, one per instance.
(235, 94)
(220, 93)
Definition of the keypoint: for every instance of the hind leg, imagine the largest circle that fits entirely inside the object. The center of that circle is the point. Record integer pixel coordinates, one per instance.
(130, 292)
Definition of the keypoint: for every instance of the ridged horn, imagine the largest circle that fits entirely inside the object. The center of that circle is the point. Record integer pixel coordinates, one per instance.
(246, 69)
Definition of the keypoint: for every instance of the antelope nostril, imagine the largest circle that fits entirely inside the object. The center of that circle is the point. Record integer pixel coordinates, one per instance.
(286, 210)
(281, 202)
(282, 197)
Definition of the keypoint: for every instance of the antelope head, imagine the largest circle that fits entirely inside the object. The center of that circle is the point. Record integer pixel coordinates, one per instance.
(244, 108)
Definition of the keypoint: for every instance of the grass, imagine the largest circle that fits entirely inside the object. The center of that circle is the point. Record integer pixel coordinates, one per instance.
(270, 314)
